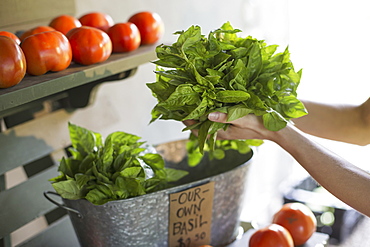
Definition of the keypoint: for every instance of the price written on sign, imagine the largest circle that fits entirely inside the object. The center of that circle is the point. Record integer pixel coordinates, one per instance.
(191, 216)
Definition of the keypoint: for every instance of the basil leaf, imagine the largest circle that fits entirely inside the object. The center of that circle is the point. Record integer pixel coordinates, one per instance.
(67, 189)
(194, 157)
(229, 96)
(155, 161)
(188, 39)
(254, 65)
(131, 172)
(203, 134)
(82, 139)
(199, 111)
(274, 121)
(183, 95)
(97, 197)
(83, 179)
(237, 111)
(174, 174)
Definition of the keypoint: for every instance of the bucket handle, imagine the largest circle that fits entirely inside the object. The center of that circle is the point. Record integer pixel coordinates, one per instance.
(46, 194)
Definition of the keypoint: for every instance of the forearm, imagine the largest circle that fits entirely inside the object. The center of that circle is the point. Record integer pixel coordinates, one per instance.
(344, 123)
(344, 180)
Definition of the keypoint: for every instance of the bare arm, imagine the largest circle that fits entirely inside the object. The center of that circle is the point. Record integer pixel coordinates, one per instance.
(346, 123)
(344, 180)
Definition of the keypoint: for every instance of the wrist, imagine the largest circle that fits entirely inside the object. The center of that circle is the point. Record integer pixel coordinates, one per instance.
(282, 137)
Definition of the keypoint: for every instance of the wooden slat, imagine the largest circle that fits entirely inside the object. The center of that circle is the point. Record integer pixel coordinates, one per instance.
(29, 230)
(32, 140)
(16, 15)
(2, 182)
(59, 234)
(19, 150)
(25, 202)
(5, 242)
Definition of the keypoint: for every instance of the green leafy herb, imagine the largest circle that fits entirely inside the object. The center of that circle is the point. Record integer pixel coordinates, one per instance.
(219, 148)
(198, 75)
(117, 168)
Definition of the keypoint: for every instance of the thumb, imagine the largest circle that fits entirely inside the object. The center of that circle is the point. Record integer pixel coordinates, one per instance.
(217, 117)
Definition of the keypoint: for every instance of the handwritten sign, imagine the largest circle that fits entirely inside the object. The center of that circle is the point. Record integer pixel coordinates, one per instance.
(191, 216)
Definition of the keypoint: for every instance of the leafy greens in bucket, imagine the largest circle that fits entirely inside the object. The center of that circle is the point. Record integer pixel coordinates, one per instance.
(223, 72)
(117, 168)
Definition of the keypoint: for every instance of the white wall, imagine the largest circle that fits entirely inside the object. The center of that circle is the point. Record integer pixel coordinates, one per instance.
(329, 40)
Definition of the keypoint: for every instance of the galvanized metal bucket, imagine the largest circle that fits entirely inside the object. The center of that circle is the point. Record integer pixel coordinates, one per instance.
(144, 220)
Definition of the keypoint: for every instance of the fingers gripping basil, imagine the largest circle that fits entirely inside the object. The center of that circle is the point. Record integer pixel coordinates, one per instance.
(197, 75)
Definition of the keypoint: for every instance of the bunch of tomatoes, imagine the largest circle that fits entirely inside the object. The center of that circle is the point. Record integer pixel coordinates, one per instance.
(88, 40)
(291, 226)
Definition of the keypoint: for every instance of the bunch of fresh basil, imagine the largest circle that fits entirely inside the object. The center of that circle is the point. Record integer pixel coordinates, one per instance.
(118, 168)
(223, 72)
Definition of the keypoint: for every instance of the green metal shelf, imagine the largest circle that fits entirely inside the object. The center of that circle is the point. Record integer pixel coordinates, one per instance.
(33, 88)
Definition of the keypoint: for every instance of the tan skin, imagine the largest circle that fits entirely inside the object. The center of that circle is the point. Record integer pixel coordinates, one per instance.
(344, 123)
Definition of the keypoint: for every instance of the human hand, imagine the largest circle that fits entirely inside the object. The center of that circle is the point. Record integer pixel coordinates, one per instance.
(247, 127)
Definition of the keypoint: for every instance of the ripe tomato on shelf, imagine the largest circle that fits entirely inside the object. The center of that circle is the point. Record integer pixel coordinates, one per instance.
(38, 29)
(272, 235)
(98, 20)
(10, 35)
(46, 51)
(125, 37)
(298, 219)
(12, 62)
(89, 45)
(64, 23)
(150, 25)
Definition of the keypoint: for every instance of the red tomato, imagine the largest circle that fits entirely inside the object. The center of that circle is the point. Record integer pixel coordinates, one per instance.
(12, 62)
(38, 29)
(11, 35)
(272, 235)
(150, 25)
(89, 45)
(64, 23)
(47, 51)
(124, 36)
(298, 219)
(98, 20)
